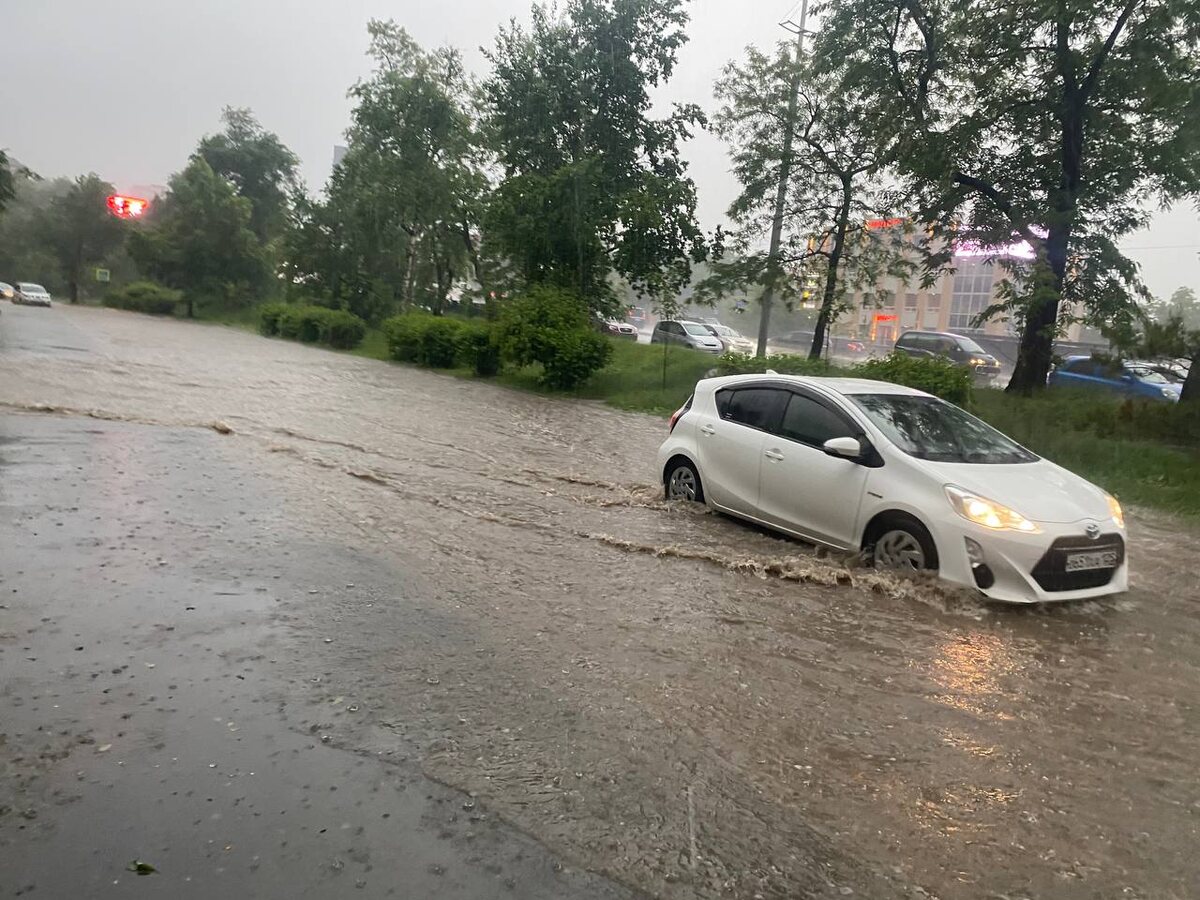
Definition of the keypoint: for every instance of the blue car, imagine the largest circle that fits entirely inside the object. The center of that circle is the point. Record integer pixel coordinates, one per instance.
(1124, 378)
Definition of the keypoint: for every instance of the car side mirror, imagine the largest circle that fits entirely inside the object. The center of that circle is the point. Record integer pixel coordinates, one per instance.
(845, 447)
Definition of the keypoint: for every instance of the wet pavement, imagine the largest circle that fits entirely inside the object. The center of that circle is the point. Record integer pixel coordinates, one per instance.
(541, 669)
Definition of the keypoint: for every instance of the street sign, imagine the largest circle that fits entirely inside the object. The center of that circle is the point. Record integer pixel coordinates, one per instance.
(103, 276)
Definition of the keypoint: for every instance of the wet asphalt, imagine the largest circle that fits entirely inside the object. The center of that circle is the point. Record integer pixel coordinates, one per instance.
(332, 572)
(143, 716)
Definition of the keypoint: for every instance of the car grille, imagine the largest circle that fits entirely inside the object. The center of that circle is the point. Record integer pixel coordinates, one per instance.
(1051, 571)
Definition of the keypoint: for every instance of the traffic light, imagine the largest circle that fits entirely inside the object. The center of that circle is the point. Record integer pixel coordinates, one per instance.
(127, 207)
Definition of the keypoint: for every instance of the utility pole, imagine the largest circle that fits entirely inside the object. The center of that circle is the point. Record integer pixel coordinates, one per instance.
(785, 177)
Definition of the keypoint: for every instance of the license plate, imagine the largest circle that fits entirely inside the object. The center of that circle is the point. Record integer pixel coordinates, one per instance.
(1084, 562)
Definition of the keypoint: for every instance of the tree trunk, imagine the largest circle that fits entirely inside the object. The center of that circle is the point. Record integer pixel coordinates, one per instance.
(1191, 384)
(829, 296)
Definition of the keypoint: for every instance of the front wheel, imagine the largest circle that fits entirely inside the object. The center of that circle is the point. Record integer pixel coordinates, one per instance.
(683, 482)
(904, 546)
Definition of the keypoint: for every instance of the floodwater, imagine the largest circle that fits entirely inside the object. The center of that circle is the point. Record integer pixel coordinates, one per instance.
(668, 697)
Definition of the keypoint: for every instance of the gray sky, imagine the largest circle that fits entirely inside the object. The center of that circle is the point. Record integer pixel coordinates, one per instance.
(126, 88)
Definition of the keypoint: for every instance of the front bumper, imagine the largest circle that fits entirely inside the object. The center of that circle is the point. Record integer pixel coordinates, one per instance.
(1030, 568)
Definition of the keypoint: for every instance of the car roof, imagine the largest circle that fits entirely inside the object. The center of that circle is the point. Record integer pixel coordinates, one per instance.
(845, 386)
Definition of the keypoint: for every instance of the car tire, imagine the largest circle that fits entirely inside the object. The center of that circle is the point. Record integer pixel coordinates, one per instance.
(682, 482)
(900, 543)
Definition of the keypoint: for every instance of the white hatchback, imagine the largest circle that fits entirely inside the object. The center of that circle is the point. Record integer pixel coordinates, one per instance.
(908, 479)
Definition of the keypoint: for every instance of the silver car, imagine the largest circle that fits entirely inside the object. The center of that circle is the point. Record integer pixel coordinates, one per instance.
(686, 334)
(732, 341)
(30, 294)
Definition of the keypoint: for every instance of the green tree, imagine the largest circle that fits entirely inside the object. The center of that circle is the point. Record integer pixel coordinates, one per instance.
(1051, 120)
(591, 183)
(1183, 305)
(398, 222)
(260, 166)
(7, 181)
(79, 231)
(199, 239)
(835, 161)
(1170, 337)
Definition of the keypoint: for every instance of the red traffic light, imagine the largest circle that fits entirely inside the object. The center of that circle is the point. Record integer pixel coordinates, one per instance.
(127, 207)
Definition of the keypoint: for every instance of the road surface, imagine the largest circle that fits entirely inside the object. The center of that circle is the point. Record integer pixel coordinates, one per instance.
(468, 609)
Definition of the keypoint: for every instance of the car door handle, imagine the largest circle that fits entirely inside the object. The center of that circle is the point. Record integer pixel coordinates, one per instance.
(707, 429)
(773, 454)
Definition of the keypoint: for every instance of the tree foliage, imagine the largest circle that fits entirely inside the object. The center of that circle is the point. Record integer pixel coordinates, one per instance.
(258, 164)
(1056, 122)
(79, 231)
(399, 219)
(591, 182)
(199, 238)
(835, 162)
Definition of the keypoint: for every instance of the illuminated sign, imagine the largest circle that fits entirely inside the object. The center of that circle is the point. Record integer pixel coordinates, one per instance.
(127, 207)
(884, 223)
(881, 317)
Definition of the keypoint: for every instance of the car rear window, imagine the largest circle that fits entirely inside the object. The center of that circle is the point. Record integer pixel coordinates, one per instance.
(756, 407)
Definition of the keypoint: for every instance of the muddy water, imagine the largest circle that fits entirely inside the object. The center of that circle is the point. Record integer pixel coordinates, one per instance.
(693, 706)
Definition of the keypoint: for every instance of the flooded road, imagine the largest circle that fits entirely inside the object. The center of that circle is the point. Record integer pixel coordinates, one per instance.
(658, 695)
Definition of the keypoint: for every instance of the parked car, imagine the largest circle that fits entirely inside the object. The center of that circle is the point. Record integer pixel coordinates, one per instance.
(616, 328)
(686, 334)
(6, 291)
(30, 294)
(856, 347)
(955, 347)
(636, 316)
(1124, 378)
(910, 481)
(731, 341)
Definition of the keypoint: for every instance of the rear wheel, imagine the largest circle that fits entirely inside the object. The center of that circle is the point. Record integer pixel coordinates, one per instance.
(683, 482)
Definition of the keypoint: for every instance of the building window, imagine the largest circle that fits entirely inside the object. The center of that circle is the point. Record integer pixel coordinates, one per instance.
(910, 301)
(972, 292)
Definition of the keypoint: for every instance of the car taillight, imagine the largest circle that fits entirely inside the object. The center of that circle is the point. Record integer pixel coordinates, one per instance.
(678, 414)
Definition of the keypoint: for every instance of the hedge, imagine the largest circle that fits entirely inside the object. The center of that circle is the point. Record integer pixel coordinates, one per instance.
(144, 297)
(313, 325)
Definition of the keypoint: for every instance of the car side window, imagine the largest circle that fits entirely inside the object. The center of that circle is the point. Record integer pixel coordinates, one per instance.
(755, 407)
(809, 422)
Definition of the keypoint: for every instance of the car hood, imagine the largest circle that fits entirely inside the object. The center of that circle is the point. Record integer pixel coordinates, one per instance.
(1041, 491)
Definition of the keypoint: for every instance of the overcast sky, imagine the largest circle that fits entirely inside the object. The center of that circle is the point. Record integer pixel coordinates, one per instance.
(126, 88)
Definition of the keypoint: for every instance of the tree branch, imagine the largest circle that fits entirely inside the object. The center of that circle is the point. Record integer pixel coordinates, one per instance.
(1093, 73)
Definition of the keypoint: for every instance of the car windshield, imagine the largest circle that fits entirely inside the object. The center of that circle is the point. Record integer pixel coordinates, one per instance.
(722, 330)
(1148, 376)
(965, 343)
(693, 328)
(932, 429)
(30, 288)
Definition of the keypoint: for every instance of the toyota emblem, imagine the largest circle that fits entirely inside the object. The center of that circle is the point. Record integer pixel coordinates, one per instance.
(1093, 531)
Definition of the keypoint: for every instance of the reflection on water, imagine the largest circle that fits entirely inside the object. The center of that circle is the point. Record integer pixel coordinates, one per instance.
(969, 667)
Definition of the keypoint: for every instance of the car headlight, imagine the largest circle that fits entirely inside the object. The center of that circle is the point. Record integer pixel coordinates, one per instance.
(988, 513)
(1169, 394)
(1114, 509)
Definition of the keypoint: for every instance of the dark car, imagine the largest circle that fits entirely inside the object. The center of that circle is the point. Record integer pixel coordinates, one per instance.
(954, 347)
(1129, 379)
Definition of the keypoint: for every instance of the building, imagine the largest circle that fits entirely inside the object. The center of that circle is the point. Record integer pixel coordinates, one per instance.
(953, 302)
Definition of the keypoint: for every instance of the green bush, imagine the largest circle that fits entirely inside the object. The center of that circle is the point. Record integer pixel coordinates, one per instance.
(477, 348)
(550, 327)
(934, 375)
(314, 324)
(144, 297)
(403, 334)
(424, 339)
(269, 316)
(439, 342)
(342, 330)
(785, 364)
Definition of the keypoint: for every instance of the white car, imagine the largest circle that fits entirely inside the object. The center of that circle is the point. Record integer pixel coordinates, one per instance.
(30, 294)
(687, 334)
(911, 481)
(731, 341)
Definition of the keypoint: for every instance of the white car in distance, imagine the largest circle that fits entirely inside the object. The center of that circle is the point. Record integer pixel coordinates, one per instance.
(911, 481)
